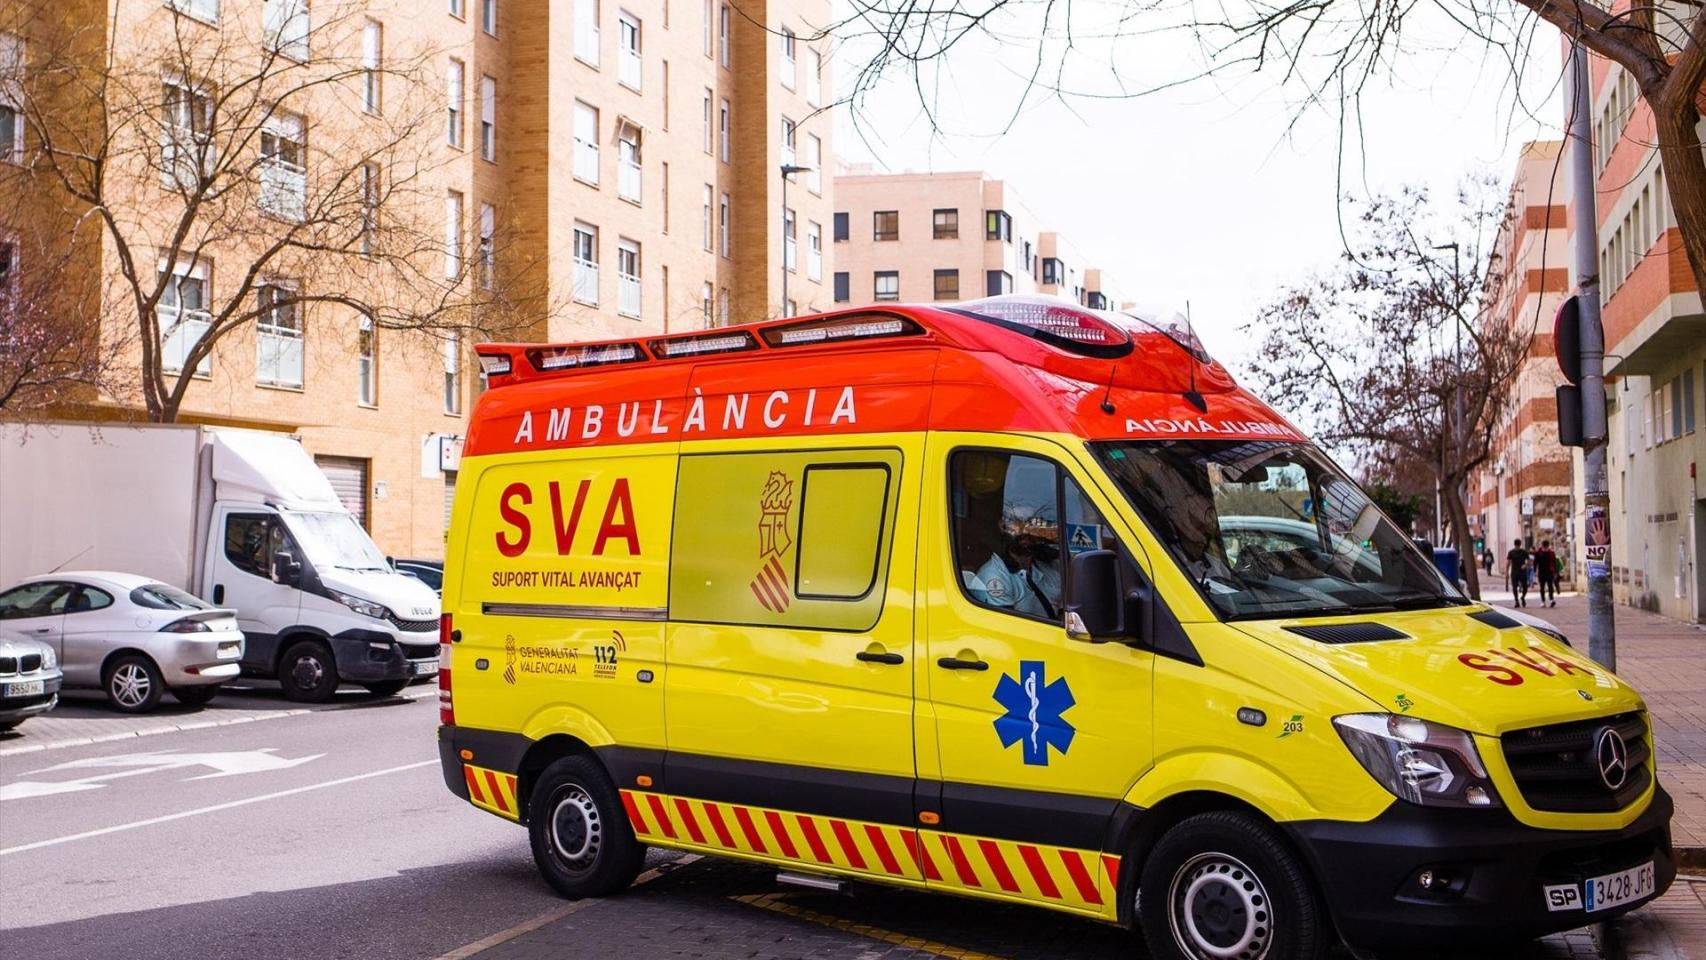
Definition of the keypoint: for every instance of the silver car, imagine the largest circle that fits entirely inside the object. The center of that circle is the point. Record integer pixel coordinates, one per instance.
(132, 637)
(29, 681)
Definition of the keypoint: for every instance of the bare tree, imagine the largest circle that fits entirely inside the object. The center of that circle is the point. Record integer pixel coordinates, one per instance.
(268, 156)
(1328, 51)
(51, 353)
(1384, 354)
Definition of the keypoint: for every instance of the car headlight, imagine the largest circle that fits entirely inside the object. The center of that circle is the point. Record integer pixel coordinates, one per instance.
(49, 659)
(1425, 763)
(364, 607)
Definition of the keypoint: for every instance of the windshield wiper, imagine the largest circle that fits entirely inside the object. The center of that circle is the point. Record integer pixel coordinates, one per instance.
(1425, 601)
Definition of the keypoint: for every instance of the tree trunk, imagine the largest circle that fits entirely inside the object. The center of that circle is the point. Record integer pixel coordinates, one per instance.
(1468, 567)
(1674, 117)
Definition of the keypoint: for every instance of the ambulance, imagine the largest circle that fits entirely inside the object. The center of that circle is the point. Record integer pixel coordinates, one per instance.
(1014, 600)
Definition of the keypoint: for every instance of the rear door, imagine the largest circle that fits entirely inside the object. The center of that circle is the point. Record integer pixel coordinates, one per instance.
(791, 653)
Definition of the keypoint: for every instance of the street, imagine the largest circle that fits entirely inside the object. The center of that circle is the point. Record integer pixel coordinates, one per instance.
(328, 833)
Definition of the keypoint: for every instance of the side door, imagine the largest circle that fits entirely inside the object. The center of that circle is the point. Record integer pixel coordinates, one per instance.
(87, 634)
(36, 611)
(1039, 736)
(789, 697)
(246, 542)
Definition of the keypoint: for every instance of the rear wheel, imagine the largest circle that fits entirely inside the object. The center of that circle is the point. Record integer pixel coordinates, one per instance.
(308, 672)
(1222, 886)
(580, 834)
(195, 696)
(133, 684)
(388, 688)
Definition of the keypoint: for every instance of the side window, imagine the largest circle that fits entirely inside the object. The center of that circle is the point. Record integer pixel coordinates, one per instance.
(86, 598)
(251, 541)
(41, 599)
(802, 540)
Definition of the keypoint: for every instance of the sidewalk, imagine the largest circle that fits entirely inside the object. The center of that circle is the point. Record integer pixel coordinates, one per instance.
(1665, 660)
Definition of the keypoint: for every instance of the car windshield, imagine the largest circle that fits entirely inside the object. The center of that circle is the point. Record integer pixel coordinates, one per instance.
(1268, 529)
(160, 596)
(333, 539)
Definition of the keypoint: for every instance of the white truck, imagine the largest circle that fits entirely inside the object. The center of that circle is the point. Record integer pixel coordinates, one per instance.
(241, 518)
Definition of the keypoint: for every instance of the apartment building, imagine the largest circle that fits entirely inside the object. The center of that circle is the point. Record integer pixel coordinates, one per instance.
(922, 237)
(1655, 335)
(600, 168)
(1526, 490)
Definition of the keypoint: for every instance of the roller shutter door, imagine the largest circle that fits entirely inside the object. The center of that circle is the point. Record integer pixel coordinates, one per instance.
(349, 481)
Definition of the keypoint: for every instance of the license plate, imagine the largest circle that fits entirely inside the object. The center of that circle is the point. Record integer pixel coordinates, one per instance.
(27, 688)
(1603, 893)
(424, 667)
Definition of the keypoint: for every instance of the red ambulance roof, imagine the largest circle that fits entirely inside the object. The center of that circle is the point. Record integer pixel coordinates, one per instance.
(1010, 364)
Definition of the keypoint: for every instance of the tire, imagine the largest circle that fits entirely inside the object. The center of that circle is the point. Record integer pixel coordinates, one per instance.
(198, 696)
(9, 725)
(579, 831)
(388, 688)
(1223, 886)
(133, 684)
(308, 672)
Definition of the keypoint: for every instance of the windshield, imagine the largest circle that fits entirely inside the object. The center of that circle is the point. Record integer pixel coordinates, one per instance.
(1268, 529)
(335, 540)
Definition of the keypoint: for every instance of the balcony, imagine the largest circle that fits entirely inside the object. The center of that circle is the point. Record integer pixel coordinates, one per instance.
(628, 180)
(179, 333)
(284, 190)
(278, 356)
(586, 282)
(628, 295)
(628, 69)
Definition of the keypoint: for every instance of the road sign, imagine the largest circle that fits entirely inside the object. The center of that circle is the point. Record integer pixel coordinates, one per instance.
(224, 764)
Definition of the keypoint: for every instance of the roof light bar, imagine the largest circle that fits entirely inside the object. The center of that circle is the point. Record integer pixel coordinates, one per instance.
(1056, 322)
(834, 330)
(494, 364)
(701, 345)
(546, 359)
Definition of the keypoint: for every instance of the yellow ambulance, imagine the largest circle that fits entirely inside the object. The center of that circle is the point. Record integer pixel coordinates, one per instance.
(1012, 600)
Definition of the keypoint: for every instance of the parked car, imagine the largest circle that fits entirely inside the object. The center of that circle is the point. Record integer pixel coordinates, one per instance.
(429, 572)
(132, 637)
(29, 680)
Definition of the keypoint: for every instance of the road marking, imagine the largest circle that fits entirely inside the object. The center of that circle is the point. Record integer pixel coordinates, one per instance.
(228, 763)
(215, 808)
(777, 903)
(528, 926)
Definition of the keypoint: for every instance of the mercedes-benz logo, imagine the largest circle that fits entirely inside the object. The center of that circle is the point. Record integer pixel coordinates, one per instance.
(1612, 756)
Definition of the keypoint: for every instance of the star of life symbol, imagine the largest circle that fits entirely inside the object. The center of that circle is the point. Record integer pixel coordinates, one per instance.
(1034, 712)
(770, 585)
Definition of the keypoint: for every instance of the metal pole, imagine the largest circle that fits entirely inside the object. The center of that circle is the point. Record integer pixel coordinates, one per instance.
(1596, 493)
(785, 176)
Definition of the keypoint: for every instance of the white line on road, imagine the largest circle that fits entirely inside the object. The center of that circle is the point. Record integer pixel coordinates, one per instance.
(212, 809)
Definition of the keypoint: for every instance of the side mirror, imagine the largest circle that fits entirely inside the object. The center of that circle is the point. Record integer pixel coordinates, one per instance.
(1095, 609)
(286, 570)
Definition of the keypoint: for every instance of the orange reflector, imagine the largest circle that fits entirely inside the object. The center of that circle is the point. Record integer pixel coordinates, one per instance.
(467, 754)
(643, 780)
(929, 818)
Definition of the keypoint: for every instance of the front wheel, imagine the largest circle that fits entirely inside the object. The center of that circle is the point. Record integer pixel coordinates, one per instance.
(579, 831)
(1223, 886)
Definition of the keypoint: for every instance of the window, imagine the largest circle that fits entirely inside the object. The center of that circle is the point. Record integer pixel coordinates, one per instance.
(723, 131)
(286, 27)
(723, 25)
(186, 136)
(488, 119)
(706, 293)
(1053, 270)
(453, 235)
(707, 222)
(998, 226)
(586, 264)
(885, 225)
(723, 307)
(254, 540)
(819, 548)
(8, 276)
(586, 31)
(586, 143)
(183, 317)
(997, 282)
(814, 250)
(207, 10)
(790, 239)
(372, 63)
(945, 224)
(627, 278)
(789, 60)
(489, 16)
(843, 291)
(709, 52)
(1687, 403)
(814, 78)
(453, 102)
(814, 160)
(369, 207)
(452, 348)
(663, 194)
(278, 336)
(367, 362)
(488, 252)
(628, 185)
(284, 176)
(947, 284)
(665, 86)
(11, 98)
(723, 226)
(840, 226)
(788, 131)
(886, 285)
(628, 66)
(458, 9)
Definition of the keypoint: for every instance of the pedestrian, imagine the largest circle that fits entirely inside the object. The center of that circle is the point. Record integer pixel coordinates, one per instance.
(1516, 569)
(1487, 560)
(1546, 568)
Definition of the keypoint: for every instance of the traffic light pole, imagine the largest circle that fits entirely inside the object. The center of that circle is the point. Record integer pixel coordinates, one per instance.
(1596, 522)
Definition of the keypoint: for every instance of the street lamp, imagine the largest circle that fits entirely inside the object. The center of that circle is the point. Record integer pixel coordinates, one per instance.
(788, 171)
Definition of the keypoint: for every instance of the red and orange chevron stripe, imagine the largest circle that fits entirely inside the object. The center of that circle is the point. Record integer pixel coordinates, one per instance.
(492, 790)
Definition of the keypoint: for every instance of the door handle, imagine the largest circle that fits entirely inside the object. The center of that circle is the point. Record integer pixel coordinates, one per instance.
(870, 657)
(955, 663)
(39, 630)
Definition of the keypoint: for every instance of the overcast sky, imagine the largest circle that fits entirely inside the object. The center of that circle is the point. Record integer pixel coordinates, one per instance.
(1199, 193)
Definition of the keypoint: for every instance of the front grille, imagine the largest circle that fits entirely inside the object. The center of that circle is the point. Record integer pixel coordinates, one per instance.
(1557, 769)
(412, 626)
(29, 663)
(8, 664)
(420, 651)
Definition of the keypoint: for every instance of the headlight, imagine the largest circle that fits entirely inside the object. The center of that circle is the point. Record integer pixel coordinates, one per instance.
(49, 659)
(363, 607)
(1426, 763)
